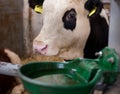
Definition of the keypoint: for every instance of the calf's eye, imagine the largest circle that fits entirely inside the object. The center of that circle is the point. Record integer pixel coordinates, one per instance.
(69, 19)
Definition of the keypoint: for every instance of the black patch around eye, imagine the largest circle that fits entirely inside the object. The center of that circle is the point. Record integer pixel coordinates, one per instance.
(69, 19)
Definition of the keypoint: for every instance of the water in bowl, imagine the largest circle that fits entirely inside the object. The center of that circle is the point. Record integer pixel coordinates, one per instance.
(57, 79)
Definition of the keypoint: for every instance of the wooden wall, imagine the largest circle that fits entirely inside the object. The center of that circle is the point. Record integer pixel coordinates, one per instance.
(11, 25)
(19, 25)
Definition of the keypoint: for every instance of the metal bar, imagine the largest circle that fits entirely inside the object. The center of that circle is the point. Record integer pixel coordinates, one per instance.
(9, 69)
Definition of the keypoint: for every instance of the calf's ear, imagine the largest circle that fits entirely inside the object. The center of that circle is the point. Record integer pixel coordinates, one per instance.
(94, 7)
(36, 5)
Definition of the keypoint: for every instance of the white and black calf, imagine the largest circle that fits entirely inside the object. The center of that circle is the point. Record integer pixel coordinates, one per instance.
(69, 30)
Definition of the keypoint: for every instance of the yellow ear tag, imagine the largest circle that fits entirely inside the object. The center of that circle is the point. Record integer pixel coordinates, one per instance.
(93, 11)
(38, 9)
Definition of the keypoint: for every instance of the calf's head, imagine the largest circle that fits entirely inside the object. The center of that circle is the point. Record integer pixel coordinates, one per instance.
(65, 29)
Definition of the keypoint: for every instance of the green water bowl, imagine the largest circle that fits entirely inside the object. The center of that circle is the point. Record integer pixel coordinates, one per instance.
(59, 78)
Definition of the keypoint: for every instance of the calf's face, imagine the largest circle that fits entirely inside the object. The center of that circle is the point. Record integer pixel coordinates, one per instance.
(65, 29)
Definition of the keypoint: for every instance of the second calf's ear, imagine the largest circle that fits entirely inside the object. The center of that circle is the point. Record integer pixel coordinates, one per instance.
(94, 7)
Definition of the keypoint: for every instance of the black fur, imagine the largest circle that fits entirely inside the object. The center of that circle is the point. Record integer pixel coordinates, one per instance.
(69, 19)
(33, 3)
(98, 38)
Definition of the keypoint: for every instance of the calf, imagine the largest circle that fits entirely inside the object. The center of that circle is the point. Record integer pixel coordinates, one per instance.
(71, 28)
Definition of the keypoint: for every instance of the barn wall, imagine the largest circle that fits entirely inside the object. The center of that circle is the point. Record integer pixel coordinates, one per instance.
(11, 25)
(17, 24)
(114, 35)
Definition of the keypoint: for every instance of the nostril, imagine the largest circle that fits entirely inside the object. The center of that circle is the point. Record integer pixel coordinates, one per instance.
(44, 48)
